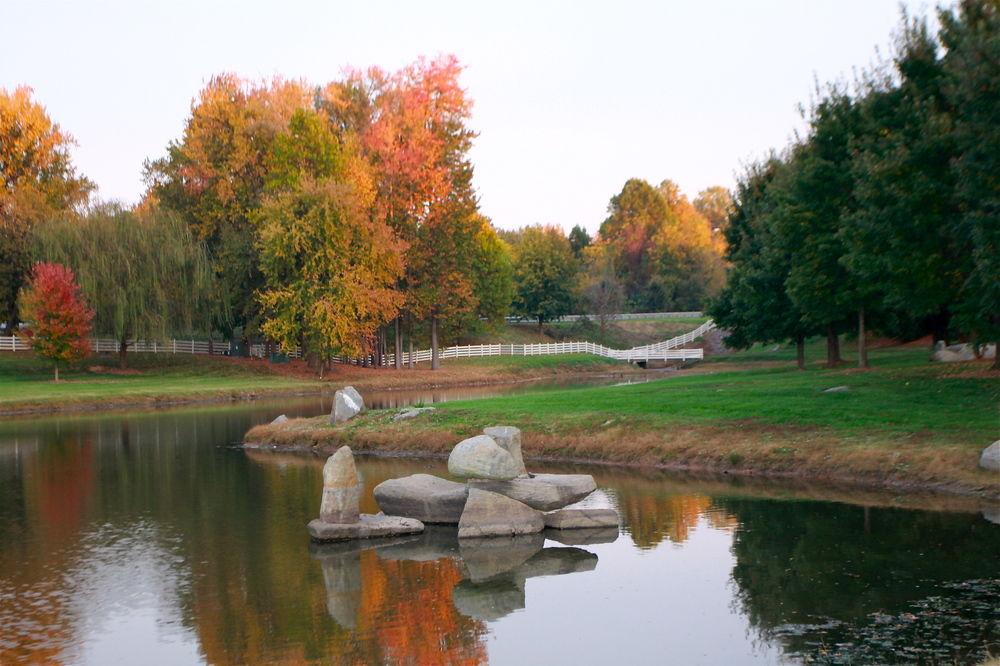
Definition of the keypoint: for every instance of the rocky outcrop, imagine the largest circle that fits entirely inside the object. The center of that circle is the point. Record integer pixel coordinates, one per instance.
(544, 492)
(489, 514)
(509, 439)
(341, 488)
(583, 518)
(346, 405)
(990, 458)
(480, 457)
(411, 413)
(428, 498)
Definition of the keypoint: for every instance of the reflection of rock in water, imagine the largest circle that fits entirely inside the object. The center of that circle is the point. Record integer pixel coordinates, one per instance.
(485, 558)
(502, 593)
(434, 543)
(488, 600)
(341, 564)
(583, 536)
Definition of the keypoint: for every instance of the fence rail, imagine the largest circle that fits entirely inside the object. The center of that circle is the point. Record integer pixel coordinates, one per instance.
(103, 345)
(625, 316)
(666, 350)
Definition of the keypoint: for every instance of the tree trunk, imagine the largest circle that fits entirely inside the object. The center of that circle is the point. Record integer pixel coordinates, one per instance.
(832, 347)
(56, 366)
(539, 325)
(862, 341)
(398, 345)
(435, 361)
(122, 351)
(800, 352)
(410, 361)
(996, 355)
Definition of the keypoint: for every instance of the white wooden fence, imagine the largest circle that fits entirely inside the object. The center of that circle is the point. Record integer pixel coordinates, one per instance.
(625, 316)
(666, 350)
(103, 345)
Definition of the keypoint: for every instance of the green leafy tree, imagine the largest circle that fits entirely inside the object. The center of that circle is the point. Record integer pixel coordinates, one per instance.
(579, 240)
(493, 275)
(144, 274)
(970, 34)
(545, 274)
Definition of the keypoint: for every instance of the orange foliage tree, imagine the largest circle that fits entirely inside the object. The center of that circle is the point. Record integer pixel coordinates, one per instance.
(58, 318)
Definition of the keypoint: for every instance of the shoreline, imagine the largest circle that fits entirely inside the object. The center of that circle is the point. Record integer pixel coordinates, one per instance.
(321, 387)
(827, 469)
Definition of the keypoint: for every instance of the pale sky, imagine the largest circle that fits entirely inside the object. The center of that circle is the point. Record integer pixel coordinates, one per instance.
(570, 98)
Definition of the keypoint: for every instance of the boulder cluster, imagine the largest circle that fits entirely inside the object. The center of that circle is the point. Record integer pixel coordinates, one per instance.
(499, 498)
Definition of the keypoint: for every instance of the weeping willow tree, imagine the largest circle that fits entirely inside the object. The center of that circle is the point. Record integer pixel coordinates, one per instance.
(143, 273)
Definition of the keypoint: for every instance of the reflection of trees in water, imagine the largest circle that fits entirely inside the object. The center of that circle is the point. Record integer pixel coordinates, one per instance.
(808, 563)
(651, 518)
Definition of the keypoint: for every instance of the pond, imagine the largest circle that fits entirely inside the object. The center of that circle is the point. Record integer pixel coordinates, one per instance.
(154, 538)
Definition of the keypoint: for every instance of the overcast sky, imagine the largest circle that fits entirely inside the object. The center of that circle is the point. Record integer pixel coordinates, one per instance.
(570, 98)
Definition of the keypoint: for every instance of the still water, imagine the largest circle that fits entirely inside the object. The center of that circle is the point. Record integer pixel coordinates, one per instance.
(152, 538)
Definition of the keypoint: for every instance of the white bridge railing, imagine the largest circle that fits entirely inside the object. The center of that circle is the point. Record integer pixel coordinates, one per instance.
(666, 350)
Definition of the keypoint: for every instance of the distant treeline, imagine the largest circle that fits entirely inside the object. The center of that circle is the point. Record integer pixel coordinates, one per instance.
(339, 219)
(885, 215)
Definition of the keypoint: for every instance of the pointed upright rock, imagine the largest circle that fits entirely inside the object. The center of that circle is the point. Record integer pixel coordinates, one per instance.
(341, 488)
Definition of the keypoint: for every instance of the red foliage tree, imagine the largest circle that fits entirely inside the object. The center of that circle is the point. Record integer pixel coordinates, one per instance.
(58, 318)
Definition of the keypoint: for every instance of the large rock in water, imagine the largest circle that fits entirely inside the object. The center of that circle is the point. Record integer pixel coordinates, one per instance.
(990, 458)
(428, 498)
(481, 457)
(489, 514)
(345, 407)
(341, 488)
(509, 439)
(367, 527)
(544, 492)
(583, 518)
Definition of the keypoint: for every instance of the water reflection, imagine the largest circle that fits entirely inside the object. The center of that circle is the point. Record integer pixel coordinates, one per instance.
(121, 536)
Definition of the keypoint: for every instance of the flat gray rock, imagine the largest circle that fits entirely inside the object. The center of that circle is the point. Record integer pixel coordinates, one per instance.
(480, 457)
(490, 514)
(368, 526)
(583, 536)
(837, 389)
(279, 420)
(990, 458)
(509, 439)
(566, 519)
(345, 407)
(411, 413)
(544, 492)
(428, 498)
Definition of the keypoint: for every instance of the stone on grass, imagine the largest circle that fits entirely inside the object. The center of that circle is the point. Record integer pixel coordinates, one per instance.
(565, 519)
(489, 514)
(837, 389)
(990, 458)
(953, 353)
(509, 439)
(353, 394)
(480, 457)
(411, 413)
(367, 527)
(279, 420)
(544, 492)
(344, 407)
(341, 488)
(428, 498)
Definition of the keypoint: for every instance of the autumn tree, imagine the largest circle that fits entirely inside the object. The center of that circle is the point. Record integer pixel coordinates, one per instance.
(37, 181)
(215, 175)
(330, 268)
(144, 274)
(57, 316)
(545, 274)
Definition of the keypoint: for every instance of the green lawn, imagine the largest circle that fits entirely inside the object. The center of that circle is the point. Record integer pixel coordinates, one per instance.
(903, 394)
(26, 380)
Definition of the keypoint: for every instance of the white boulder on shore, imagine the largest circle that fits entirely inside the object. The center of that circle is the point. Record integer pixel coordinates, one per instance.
(990, 458)
(347, 403)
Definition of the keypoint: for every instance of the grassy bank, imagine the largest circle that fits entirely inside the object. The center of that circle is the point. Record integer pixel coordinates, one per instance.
(26, 384)
(906, 423)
